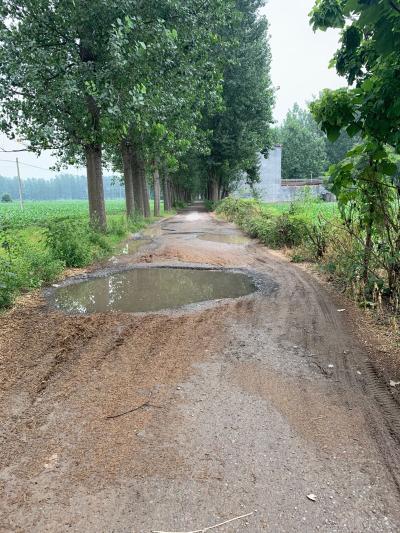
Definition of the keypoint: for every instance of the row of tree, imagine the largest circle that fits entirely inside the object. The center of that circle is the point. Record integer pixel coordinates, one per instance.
(307, 151)
(178, 90)
(61, 187)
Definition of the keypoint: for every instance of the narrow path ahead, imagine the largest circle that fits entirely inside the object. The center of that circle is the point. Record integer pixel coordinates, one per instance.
(243, 406)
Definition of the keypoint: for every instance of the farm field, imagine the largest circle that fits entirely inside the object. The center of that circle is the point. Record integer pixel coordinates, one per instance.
(41, 213)
(328, 209)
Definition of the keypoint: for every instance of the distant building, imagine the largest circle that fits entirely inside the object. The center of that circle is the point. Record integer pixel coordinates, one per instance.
(272, 188)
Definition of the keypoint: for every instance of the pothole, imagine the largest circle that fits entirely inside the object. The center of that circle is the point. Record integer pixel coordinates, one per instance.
(150, 289)
(132, 246)
(227, 238)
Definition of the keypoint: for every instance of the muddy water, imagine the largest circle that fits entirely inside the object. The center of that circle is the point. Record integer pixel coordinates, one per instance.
(225, 238)
(132, 246)
(150, 289)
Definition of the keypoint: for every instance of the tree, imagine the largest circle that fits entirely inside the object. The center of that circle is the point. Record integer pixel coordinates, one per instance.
(179, 77)
(370, 61)
(337, 150)
(366, 182)
(241, 127)
(56, 61)
(304, 148)
(6, 198)
(77, 73)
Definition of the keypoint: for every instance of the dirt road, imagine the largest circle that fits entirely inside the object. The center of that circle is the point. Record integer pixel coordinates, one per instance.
(181, 420)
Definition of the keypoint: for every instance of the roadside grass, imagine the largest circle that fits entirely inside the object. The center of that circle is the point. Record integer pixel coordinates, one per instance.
(35, 250)
(313, 231)
(312, 208)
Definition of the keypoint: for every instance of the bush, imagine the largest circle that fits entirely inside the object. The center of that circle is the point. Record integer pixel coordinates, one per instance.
(178, 204)
(287, 229)
(117, 226)
(210, 205)
(23, 267)
(70, 241)
(6, 198)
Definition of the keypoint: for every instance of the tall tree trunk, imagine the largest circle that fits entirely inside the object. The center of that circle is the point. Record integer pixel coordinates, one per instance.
(166, 193)
(136, 181)
(172, 194)
(145, 190)
(214, 190)
(126, 151)
(157, 190)
(97, 208)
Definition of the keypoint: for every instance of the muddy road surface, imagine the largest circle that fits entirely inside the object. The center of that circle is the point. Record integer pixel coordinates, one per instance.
(265, 406)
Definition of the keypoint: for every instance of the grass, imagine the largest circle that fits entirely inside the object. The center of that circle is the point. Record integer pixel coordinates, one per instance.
(312, 208)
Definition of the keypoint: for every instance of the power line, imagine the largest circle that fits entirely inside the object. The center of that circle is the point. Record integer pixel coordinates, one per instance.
(13, 151)
(25, 164)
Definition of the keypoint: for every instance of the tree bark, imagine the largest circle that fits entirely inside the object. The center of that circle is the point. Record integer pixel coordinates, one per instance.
(126, 151)
(145, 190)
(157, 190)
(137, 184)
(166, 193)
(97, 208)
(214, 190)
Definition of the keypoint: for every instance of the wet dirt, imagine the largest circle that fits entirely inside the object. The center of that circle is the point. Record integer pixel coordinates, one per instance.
(225, 238)
(131, 246)
(179, 420)
(150, 289)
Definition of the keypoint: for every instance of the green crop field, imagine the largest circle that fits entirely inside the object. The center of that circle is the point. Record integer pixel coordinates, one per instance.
(326, 209)
(40, 213)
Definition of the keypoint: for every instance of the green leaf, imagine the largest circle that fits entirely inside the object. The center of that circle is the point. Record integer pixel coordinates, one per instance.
(388, 168)
(333, 133)
(353, 129)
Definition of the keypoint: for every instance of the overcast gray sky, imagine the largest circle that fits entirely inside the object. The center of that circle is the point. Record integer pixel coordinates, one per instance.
(299, 68)
(300, 57)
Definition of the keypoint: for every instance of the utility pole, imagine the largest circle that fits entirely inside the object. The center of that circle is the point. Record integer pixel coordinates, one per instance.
(21, 199)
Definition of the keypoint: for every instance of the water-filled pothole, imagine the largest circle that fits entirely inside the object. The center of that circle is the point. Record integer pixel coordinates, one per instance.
(225, 238)
(150, 289)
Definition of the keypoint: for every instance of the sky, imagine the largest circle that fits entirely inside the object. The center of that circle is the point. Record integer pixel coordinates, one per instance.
(300, 61)
(300, 57)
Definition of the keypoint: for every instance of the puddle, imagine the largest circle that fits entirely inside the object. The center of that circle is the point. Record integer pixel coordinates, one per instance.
(131, 247)
(227, 239)
(152, 232)
(150, 289)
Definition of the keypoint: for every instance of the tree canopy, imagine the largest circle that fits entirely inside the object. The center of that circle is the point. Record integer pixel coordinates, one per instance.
(306, 150)
(131, 83)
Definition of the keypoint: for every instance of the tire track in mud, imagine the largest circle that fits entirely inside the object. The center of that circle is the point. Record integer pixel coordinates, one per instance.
(355, 374)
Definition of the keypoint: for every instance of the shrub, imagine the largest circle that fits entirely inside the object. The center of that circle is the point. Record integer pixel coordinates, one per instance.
(70, 241)
(23, 267)
(210, 205)
(178, 204)
(287, 229)
(117, 226)
(6, 198)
